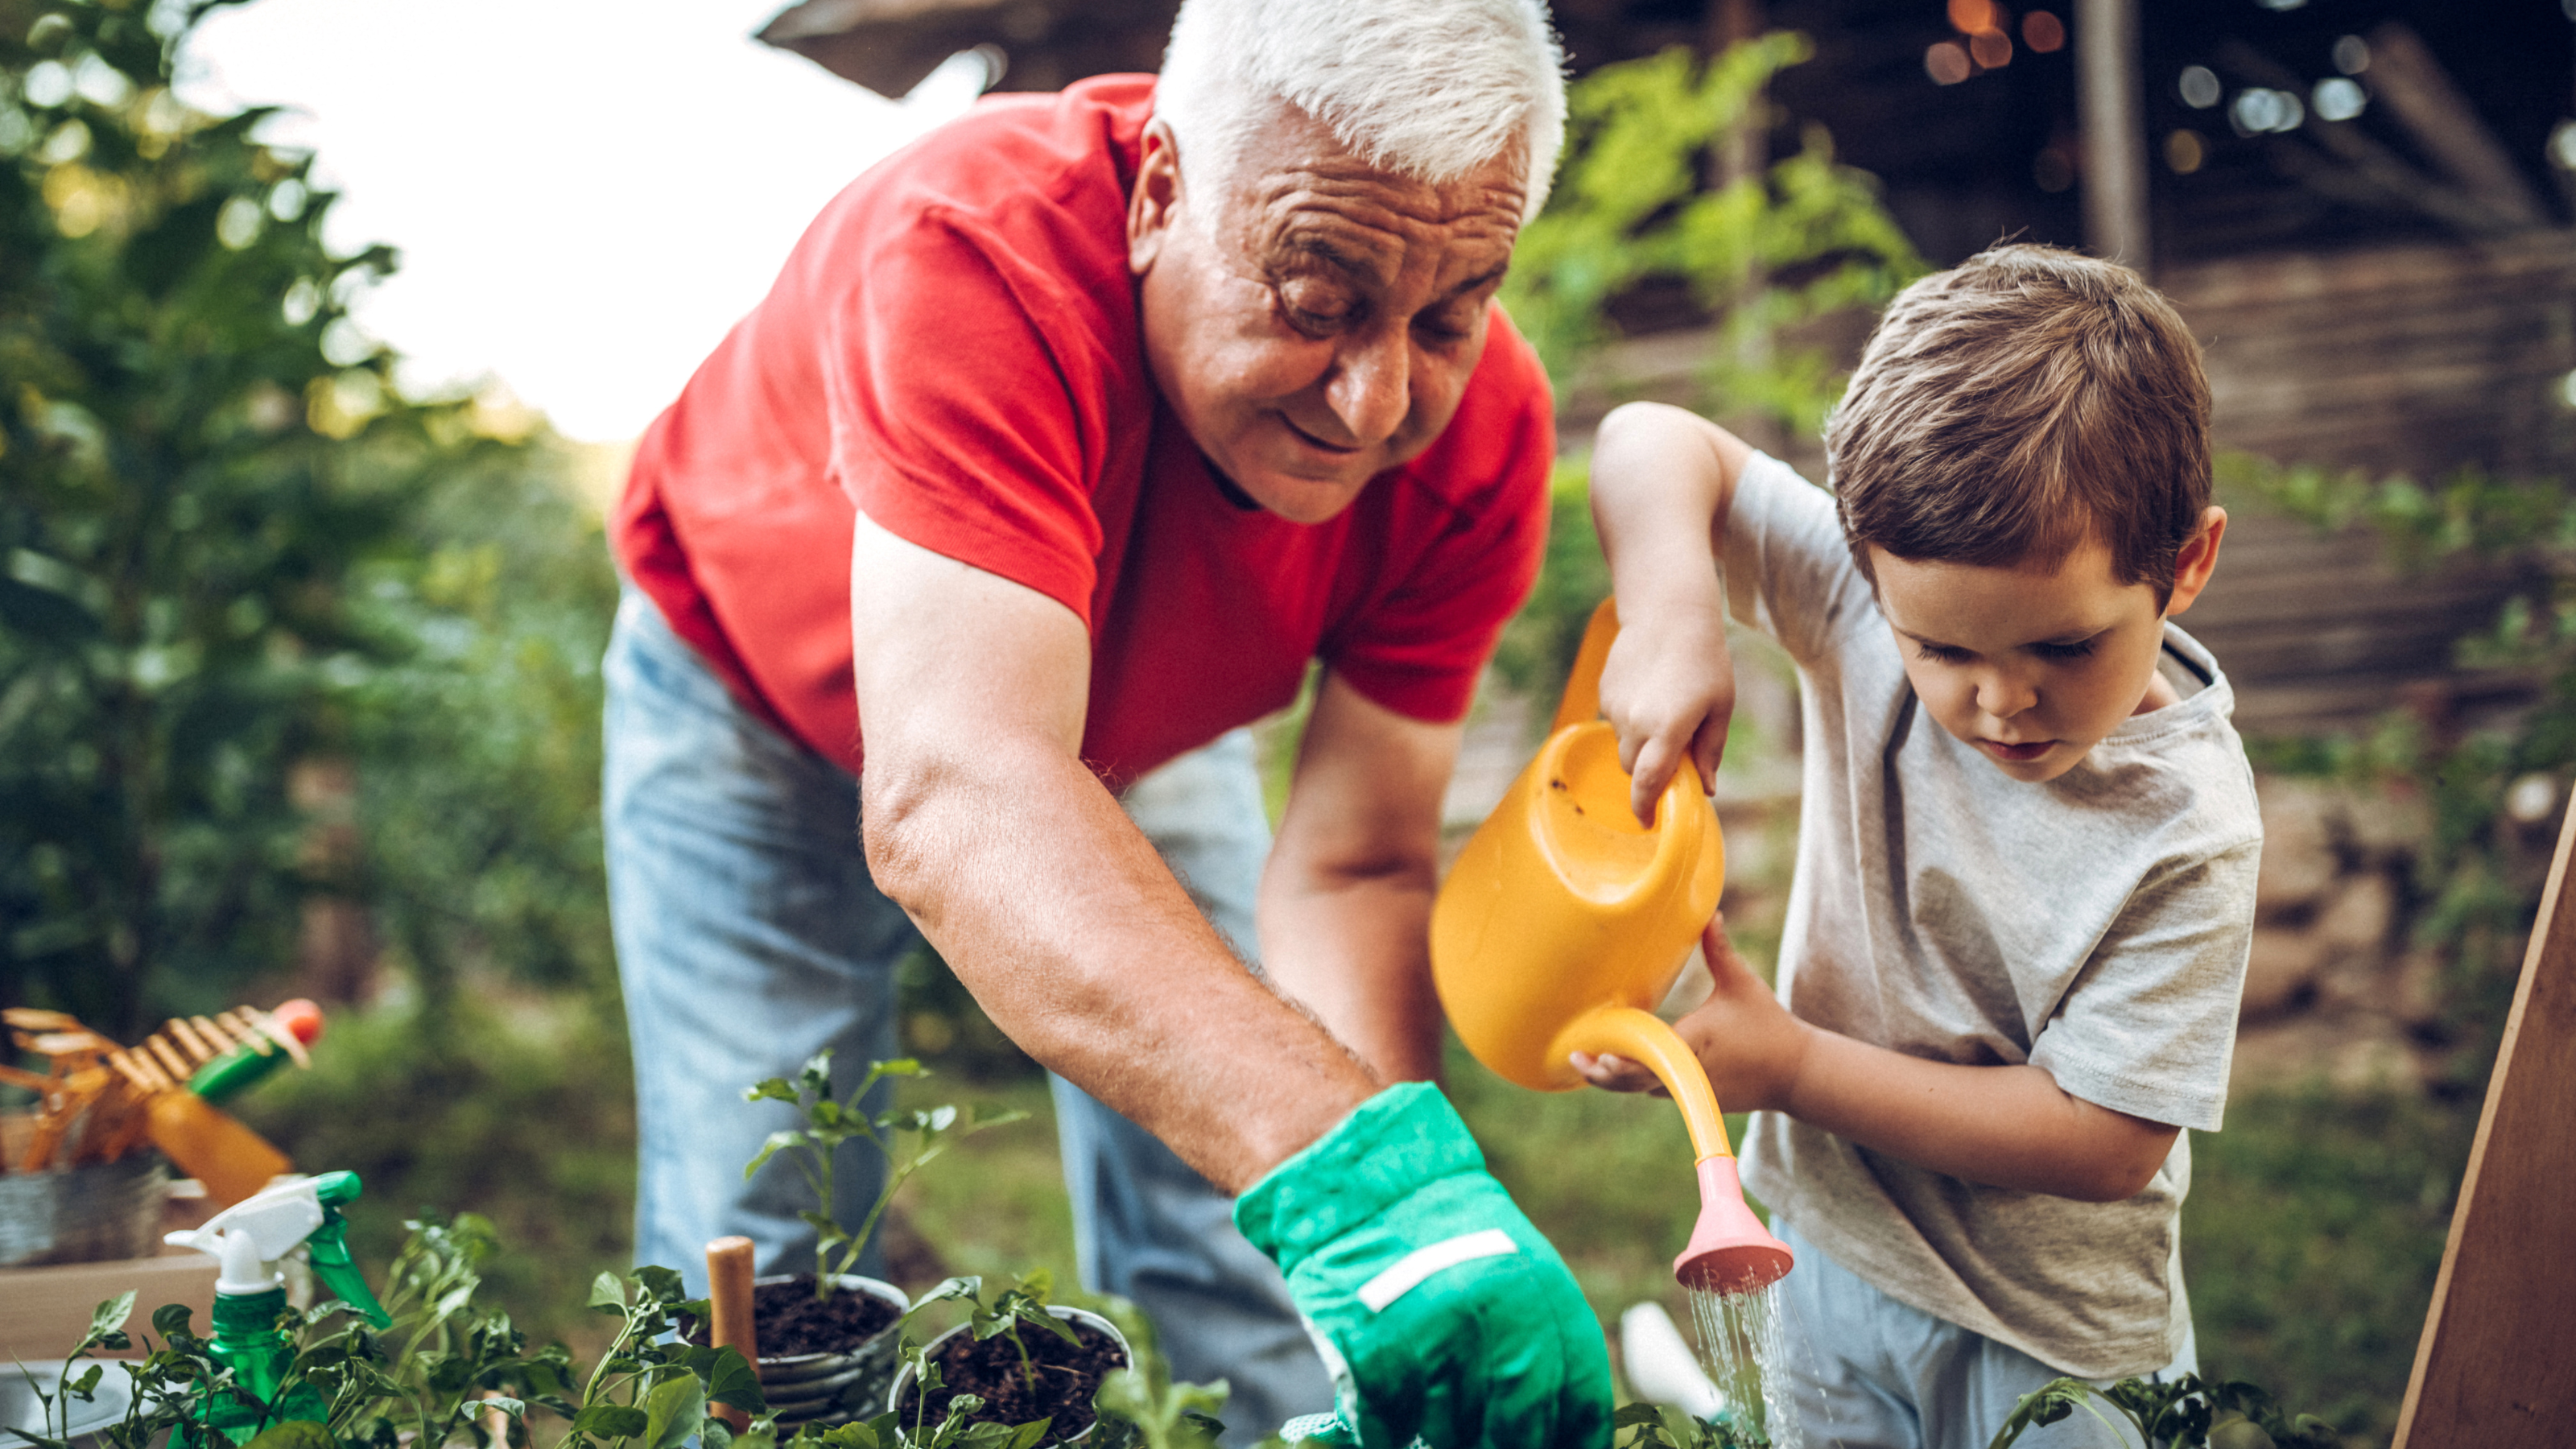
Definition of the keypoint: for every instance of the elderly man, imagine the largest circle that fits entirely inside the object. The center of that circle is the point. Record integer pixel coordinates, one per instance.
(1066, 440)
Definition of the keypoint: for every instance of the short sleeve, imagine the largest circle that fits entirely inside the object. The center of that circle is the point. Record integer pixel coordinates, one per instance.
(1474, 528)
(1788, 572)
(2149, 1025)
(969, 389)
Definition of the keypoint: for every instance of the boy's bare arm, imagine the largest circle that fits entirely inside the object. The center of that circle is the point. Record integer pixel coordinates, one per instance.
(1662, 481)
(2004, 1126)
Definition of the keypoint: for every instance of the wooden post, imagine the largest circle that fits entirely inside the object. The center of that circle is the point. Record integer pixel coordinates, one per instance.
(2496, 1368)
(729, 1309)
(2115, 130)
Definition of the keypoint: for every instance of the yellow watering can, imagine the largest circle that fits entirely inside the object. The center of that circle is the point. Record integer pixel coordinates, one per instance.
(1564, 922)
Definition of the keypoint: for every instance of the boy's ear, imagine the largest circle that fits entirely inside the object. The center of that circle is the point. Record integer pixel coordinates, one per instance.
(2198, 557)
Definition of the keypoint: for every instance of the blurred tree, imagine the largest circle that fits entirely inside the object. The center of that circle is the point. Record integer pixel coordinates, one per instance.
(201, 459)
(1643, 196)
(1664, 181)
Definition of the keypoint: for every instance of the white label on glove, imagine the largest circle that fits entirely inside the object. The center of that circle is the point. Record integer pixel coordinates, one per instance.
(1401, 1277)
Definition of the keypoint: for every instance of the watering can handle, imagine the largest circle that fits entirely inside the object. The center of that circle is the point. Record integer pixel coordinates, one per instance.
(1582, 702)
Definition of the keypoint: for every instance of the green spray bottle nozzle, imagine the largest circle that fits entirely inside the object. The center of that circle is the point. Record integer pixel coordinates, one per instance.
(304, 1213)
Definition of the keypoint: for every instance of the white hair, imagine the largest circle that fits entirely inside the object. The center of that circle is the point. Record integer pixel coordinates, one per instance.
(1430, 89)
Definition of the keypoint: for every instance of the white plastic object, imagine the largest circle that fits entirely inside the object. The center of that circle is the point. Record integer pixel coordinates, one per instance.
(243, 1272)
(1661, 1367)
(272, 1224)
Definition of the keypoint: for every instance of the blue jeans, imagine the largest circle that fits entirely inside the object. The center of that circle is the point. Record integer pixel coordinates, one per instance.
(1868, 1372)
(749, 936)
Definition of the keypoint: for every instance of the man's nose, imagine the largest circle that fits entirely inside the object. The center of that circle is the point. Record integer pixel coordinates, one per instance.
(1372, 387)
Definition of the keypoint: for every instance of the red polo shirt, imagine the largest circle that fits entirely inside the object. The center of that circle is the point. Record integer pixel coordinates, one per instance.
(954, 348)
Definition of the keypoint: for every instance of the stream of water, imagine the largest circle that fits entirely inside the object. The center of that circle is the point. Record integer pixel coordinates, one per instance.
(1740, 1347)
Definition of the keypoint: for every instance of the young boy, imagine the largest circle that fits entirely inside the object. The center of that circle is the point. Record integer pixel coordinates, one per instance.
(2026, 855)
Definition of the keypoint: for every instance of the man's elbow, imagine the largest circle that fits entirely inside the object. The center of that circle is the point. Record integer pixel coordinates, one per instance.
(894, 820)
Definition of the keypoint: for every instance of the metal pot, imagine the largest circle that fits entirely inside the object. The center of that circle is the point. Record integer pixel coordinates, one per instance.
(833, 1388)
(95, 1214)
(1100, 1435)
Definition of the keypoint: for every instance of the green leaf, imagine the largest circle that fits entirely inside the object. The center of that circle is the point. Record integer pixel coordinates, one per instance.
(662, 1285)
(607, 1291)
(778, 1142)
(729, 1377)
(293, 1434)
(673, 1411)
(170, 1320)
(110, 1316)
(610, 1421)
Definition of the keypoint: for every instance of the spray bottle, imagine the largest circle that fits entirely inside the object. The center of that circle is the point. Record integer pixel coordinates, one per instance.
(250, 1299)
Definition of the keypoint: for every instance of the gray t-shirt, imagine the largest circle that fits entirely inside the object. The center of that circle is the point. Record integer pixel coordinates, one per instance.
(2095, 926)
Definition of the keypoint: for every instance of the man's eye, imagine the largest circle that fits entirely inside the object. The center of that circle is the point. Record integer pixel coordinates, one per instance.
(1314, 308)
(1445, 324)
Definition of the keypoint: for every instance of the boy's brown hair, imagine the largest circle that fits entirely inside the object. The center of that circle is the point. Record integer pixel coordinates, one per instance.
(2009, 408)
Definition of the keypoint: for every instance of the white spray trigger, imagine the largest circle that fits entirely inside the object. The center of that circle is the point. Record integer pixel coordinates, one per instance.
(275, 1222)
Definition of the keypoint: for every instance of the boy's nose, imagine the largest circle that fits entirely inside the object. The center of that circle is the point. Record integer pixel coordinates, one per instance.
(2001, 696)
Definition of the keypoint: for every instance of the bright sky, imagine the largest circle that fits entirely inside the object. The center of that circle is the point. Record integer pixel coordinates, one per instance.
(585, 194)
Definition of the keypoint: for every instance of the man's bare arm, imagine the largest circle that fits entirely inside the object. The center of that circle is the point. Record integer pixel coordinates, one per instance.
(1346, 898)
(983, 823)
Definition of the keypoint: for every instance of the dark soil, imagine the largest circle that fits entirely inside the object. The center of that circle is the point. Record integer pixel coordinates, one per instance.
(1066, 1378)
(788, 1319)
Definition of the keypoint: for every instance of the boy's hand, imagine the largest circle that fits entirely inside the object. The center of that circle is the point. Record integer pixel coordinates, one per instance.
(1747, 1042)
(1668, 690)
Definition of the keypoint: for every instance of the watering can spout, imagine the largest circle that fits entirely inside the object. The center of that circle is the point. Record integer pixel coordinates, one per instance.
(1729, 1251)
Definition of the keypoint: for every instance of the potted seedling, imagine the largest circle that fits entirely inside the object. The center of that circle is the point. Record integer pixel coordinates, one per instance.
(827, 1339)
(1017, 1360)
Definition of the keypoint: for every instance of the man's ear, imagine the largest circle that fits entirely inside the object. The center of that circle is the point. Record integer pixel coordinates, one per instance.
(2198, 557)
(1154, 204)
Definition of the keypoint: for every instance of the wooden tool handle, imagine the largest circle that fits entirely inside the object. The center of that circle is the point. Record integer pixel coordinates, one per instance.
(729, 1305)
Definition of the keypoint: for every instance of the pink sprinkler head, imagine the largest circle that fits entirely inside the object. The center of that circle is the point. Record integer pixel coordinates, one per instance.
(1730, 1251)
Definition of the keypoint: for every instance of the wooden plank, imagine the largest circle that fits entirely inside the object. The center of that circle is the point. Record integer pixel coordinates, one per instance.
(2496, 1368)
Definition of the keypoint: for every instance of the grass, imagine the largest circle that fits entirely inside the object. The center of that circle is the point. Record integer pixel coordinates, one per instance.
(2311, 1239)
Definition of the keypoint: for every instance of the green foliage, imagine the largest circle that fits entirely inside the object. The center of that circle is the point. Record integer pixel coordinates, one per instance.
(1660, 1426)
(478, 743)
(2184, 1413)
(2478, 878)
(210, 487)
(1538, 645)
(1166, 1415)
(1802, 238)
(908, 1139)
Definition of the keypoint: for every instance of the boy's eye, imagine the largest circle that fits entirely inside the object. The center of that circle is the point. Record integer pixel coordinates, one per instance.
(2077, 650)
(1944, 653)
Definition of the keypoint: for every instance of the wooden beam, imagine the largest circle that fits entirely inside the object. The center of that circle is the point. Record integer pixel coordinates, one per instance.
(2114, 130)
(2496, 1368)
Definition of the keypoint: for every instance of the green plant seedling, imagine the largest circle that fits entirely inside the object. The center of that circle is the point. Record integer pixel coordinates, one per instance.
(1166, 1415)
(2187, 1412)
(908, 1140)
(1023, 1302)
(1660, 1426)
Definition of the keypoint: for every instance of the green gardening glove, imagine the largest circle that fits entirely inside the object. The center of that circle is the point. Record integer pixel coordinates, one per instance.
(1439, 1310)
